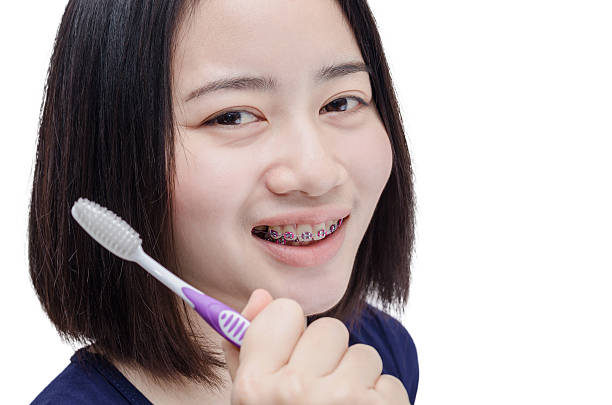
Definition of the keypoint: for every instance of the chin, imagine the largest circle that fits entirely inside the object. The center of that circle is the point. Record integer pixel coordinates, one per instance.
(326, 292)
(320, 302)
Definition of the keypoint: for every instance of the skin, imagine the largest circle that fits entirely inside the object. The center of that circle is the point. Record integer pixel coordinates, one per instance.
(282, 154)
(286, 156)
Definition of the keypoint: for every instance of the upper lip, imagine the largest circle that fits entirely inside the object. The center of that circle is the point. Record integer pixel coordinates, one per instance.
(306, 216)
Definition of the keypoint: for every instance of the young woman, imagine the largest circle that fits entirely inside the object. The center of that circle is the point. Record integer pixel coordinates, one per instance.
(257, 147)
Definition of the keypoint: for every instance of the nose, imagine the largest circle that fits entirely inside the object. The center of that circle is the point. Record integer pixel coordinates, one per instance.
(307, 160)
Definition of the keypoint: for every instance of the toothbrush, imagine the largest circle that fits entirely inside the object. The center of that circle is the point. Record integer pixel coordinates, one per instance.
(118, 237)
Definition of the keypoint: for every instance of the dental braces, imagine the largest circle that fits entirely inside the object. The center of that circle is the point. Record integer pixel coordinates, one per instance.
(306, 236)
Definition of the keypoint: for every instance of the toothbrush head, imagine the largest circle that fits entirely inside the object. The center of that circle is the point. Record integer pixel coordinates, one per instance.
(107, 228)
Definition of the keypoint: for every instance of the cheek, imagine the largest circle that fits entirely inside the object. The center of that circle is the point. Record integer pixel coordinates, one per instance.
(370, 157)
(204, 186)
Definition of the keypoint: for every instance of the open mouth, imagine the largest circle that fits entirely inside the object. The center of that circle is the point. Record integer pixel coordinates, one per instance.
(297, 234)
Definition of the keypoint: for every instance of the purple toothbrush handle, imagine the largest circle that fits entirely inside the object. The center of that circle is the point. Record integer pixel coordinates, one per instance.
(229, 323)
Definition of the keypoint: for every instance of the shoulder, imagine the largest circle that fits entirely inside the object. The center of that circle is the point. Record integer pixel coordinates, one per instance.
(393, 343)
(81, 382)
(72, 386)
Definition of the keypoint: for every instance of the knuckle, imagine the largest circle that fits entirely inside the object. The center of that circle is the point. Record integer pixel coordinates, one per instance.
(291, 387)
(368, 354)
(392, 387)
(290, 306)
(246, 390)
(342, 394)
(371, 397)
(249, 388)
(393, 381)
(333, 327)
(347, 393)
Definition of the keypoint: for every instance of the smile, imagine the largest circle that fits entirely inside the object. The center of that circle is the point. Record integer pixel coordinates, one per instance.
(300, 247)
(297, 234)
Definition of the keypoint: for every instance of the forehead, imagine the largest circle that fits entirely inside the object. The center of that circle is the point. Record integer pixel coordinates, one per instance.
(285, 39)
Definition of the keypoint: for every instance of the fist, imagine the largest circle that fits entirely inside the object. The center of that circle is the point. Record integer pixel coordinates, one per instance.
(283, 362)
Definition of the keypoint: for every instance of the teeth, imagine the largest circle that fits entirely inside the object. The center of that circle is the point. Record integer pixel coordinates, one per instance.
(330, 227)
(304, 233)
(289, 232)
(276, 232)
(298, 234)
(318, 231)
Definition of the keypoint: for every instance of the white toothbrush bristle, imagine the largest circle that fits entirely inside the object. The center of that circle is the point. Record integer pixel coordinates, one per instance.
(107, 228)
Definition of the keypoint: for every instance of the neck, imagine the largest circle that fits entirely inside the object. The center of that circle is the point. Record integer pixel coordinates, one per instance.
(187, 392)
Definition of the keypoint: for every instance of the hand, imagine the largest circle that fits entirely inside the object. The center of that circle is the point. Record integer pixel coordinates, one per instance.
(282, 362)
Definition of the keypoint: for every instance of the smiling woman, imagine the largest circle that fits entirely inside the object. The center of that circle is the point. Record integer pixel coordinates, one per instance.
(199, 122)
(306, 158)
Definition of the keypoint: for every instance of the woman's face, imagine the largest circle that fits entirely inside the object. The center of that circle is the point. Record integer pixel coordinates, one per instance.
(294, 146)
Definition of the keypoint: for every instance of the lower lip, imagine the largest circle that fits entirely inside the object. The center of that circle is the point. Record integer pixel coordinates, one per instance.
(309, 255)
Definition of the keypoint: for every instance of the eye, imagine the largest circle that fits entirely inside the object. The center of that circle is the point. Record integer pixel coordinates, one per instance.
(343, 104)
(233, 119)
(230, 119)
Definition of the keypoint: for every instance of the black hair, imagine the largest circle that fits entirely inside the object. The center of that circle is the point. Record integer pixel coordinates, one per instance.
(107, 133)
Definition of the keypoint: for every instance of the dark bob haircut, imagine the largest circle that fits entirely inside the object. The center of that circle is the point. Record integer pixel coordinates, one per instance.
(106, 133)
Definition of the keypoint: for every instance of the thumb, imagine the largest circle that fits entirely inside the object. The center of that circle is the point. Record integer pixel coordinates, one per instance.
(259, 299)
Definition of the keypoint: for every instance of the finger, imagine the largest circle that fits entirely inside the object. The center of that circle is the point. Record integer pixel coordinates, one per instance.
(361, 365)
(258, 300)
(392, 390)
(272, 336)
(321, 347)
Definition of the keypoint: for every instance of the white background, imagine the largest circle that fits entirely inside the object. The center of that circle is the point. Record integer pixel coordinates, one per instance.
(508, 113)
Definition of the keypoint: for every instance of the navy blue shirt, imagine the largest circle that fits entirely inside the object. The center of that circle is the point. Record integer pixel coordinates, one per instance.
(94, 380)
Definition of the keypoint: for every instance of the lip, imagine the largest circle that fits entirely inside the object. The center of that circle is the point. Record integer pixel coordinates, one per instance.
(310, 255)
(310, 216)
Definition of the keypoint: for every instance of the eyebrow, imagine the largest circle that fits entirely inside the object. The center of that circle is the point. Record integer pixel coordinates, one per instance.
(324, 74)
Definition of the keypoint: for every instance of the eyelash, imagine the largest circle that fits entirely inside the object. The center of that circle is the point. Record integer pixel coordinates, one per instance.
(211, 122)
